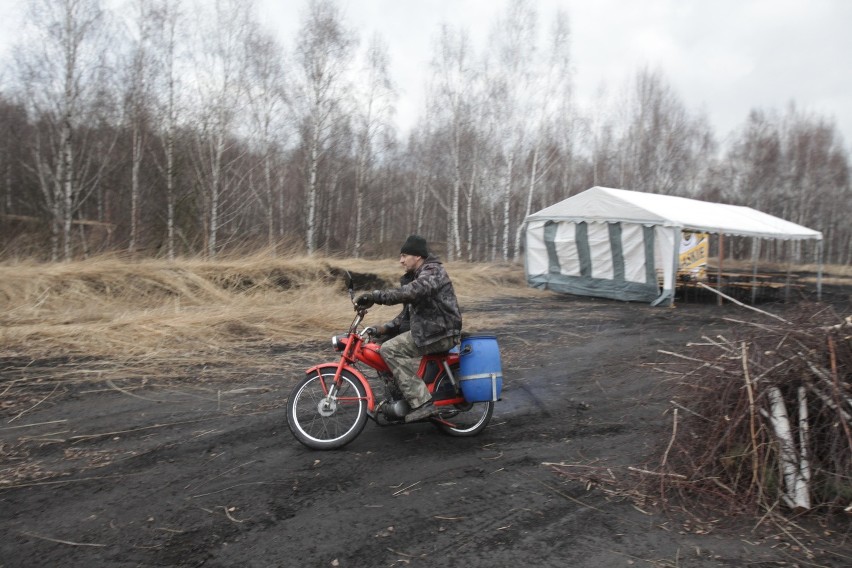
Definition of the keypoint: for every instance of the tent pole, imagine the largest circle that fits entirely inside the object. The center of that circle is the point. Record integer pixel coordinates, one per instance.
(678, 235)
(719, 268)
(789, 271)
(819, 270)
(755, 252)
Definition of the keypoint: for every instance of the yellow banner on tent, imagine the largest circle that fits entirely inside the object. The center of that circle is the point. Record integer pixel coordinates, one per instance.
(694, 250)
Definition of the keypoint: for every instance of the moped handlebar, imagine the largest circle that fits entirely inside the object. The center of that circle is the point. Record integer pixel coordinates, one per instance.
(359, 317)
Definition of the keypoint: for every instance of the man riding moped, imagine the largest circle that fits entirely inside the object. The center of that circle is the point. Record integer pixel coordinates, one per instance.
(430, 308)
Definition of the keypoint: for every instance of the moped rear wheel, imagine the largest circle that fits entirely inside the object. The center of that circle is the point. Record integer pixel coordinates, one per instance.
(468, 419)
(324, 422)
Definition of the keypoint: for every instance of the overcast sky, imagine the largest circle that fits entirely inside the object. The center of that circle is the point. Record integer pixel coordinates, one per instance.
(723, 57)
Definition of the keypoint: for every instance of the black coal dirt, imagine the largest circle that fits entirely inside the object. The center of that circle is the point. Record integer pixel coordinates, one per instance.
(196, 472)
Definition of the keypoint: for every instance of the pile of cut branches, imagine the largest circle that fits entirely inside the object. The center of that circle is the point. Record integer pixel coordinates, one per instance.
(762, 417)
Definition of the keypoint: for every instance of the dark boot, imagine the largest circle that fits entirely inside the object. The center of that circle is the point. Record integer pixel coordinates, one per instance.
(422, 412)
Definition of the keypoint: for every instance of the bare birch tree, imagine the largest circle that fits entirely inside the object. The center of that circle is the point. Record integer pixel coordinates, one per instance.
(816, 178)
(551, 99)
(323, 53)
(138, 73)
(663, 141)
(788, 165)
(220, 83)
(169, 16)
(60, 67)
(514, 39)
(268, 107)
(454, 102)
(375, 108)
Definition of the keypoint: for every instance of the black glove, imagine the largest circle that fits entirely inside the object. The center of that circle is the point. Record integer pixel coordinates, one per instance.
(365, 300)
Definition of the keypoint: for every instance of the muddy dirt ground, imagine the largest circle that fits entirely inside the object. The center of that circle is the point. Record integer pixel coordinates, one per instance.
(204, 472)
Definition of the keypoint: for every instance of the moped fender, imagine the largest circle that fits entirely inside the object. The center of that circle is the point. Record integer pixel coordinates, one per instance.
(332, 367)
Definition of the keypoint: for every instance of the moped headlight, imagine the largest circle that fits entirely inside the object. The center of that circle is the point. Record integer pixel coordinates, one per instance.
(336, 343)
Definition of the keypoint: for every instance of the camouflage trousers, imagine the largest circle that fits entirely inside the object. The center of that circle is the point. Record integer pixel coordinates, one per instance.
(403, 357)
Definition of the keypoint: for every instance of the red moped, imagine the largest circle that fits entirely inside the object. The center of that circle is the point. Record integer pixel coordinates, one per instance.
(330, 406)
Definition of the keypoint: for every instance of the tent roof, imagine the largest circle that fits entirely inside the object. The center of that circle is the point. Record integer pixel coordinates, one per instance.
(605, 204)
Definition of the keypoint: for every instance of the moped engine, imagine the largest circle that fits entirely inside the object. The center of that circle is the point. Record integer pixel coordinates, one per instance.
(396, 409)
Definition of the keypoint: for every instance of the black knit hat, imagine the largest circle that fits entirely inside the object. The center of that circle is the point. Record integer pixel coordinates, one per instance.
(415, 245)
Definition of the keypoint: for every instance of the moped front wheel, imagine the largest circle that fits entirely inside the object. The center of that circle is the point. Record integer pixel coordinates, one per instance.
(325, 416)
(461, 420)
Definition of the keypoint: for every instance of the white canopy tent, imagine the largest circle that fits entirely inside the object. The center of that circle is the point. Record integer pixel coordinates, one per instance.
(611, 243)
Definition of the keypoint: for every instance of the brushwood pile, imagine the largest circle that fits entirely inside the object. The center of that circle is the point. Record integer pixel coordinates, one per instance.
(762, 416)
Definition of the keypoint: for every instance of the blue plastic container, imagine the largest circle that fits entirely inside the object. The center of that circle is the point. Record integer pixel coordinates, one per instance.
(480, 370)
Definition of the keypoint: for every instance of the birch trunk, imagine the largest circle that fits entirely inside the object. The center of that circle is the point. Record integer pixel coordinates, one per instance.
(453, 236)
(170, 128)
(796, 494)
(469, 210)
(313, 164)
(804, 435)
(454, 240)
(507, 193)
(51, 192)
(170, 190)
(530, 192)
(419, 201)
(359, 213)
(270, 203)
(134, 187)
(215, 189)
(67, 180)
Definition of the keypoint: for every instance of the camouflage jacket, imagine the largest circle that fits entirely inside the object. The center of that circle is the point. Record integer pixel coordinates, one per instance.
(431, 303)
(402, 322)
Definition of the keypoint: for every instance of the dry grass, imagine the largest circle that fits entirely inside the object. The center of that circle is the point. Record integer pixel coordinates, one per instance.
(155, 318)
(125, 310)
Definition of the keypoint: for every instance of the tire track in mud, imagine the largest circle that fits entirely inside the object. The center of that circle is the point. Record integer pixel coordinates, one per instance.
(434, 514)
(143, 500)
(440, 511)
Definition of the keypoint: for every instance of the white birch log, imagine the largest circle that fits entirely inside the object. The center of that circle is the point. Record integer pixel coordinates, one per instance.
(804, 436)
(796, 493)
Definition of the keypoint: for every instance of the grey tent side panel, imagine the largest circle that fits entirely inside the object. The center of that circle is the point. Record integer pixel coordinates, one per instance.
(617, 251)
(553, 265)
(650, 269)
(585, 284)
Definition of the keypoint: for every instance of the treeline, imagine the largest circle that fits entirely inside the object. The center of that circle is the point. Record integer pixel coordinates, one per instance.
(167, 127)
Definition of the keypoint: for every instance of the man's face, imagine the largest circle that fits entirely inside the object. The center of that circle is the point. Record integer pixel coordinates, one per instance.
(410, 262)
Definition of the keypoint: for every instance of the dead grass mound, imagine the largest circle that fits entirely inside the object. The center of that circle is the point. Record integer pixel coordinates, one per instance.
(121, 309)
